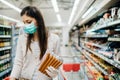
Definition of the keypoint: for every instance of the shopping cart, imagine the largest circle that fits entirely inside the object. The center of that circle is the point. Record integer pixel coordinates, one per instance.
(73, 68)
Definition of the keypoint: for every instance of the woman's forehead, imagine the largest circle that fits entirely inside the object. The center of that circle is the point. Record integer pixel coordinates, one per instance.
(25, 17)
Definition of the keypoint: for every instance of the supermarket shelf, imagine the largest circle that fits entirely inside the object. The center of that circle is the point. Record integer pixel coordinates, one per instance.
(93, 44)
(96, 65)
(5, 36)
(98, 27)
(107, 25)
(5, 26)
(4, 72)
(114, 23)
(117, 29)
(96, 36)
(4, 60)
(5, 48)
(90, 71)
(117, 65)
(113, 39)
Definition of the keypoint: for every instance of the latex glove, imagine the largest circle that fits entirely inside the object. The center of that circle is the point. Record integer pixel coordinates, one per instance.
(52, 72)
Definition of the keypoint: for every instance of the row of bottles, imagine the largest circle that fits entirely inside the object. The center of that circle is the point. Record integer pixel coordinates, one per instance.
(5, 42)
(4, 66)
(5, 76)
(5, 54)
(5, 31)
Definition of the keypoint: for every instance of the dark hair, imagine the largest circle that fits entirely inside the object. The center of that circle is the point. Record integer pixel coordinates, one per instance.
(42, 32)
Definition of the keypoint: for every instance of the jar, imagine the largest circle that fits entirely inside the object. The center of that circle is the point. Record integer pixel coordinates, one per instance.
(114, 13)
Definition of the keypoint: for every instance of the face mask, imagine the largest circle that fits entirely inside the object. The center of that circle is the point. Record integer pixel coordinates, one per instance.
(30, 28)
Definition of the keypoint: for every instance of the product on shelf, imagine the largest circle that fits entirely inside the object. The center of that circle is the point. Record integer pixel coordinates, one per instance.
(4, 54)
(118, 13)
(114, 13)
(117, 55)
(95, 73)
(108, 53)
(5, 42)
(81, 30)
(5, 31)
(114, 76)
(106, 15)
(102, 63)
(1, 21)
(4, 66)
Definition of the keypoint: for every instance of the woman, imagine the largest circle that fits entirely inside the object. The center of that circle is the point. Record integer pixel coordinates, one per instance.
(32, 47)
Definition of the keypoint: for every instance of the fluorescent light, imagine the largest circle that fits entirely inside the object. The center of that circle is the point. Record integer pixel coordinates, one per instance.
(88, 11)
(59, 18)
(55, 5)
(10, 5)
(73, 11)
(8, 18)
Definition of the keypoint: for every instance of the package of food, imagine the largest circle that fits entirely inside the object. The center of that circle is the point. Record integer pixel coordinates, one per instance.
(49, 60)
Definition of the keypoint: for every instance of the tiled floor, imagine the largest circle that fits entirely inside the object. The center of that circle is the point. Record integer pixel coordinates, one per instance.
(67, 51)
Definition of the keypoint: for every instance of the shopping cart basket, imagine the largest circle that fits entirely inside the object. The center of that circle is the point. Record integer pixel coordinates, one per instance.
(73, 68)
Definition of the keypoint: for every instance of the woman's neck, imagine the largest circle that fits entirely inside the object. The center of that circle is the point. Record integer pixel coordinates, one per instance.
(35, 38)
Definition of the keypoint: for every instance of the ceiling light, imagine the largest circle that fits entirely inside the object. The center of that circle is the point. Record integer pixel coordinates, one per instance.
(55, 5)
(73, 11)
(88, 11)
(59, 18)
(81, 10)
(10, 5)
(8, 18)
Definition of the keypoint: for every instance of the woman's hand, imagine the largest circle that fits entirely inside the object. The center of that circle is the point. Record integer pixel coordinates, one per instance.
(52, 72)
(12, 78)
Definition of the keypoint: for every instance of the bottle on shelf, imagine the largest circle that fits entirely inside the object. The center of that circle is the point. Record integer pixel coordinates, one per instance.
(1, 30)
(4, 54)
(4, 42)
(4, 66)
(1, 67)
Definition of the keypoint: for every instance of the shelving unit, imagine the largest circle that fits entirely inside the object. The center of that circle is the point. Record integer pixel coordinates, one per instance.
(93, 44)
(112, 62)
(5, 50)
(94, 63)
(100, 38)
(90, 71)
(5, 36)
(4, 26)
(113, 39)
(5, 72)
(107, 25)
(95, 36)
(5, 60)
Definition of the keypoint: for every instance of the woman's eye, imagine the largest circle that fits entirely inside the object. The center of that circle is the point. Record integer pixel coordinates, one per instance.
(28, 22)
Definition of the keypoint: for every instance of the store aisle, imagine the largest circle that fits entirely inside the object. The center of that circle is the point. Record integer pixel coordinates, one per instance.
(67, 53)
